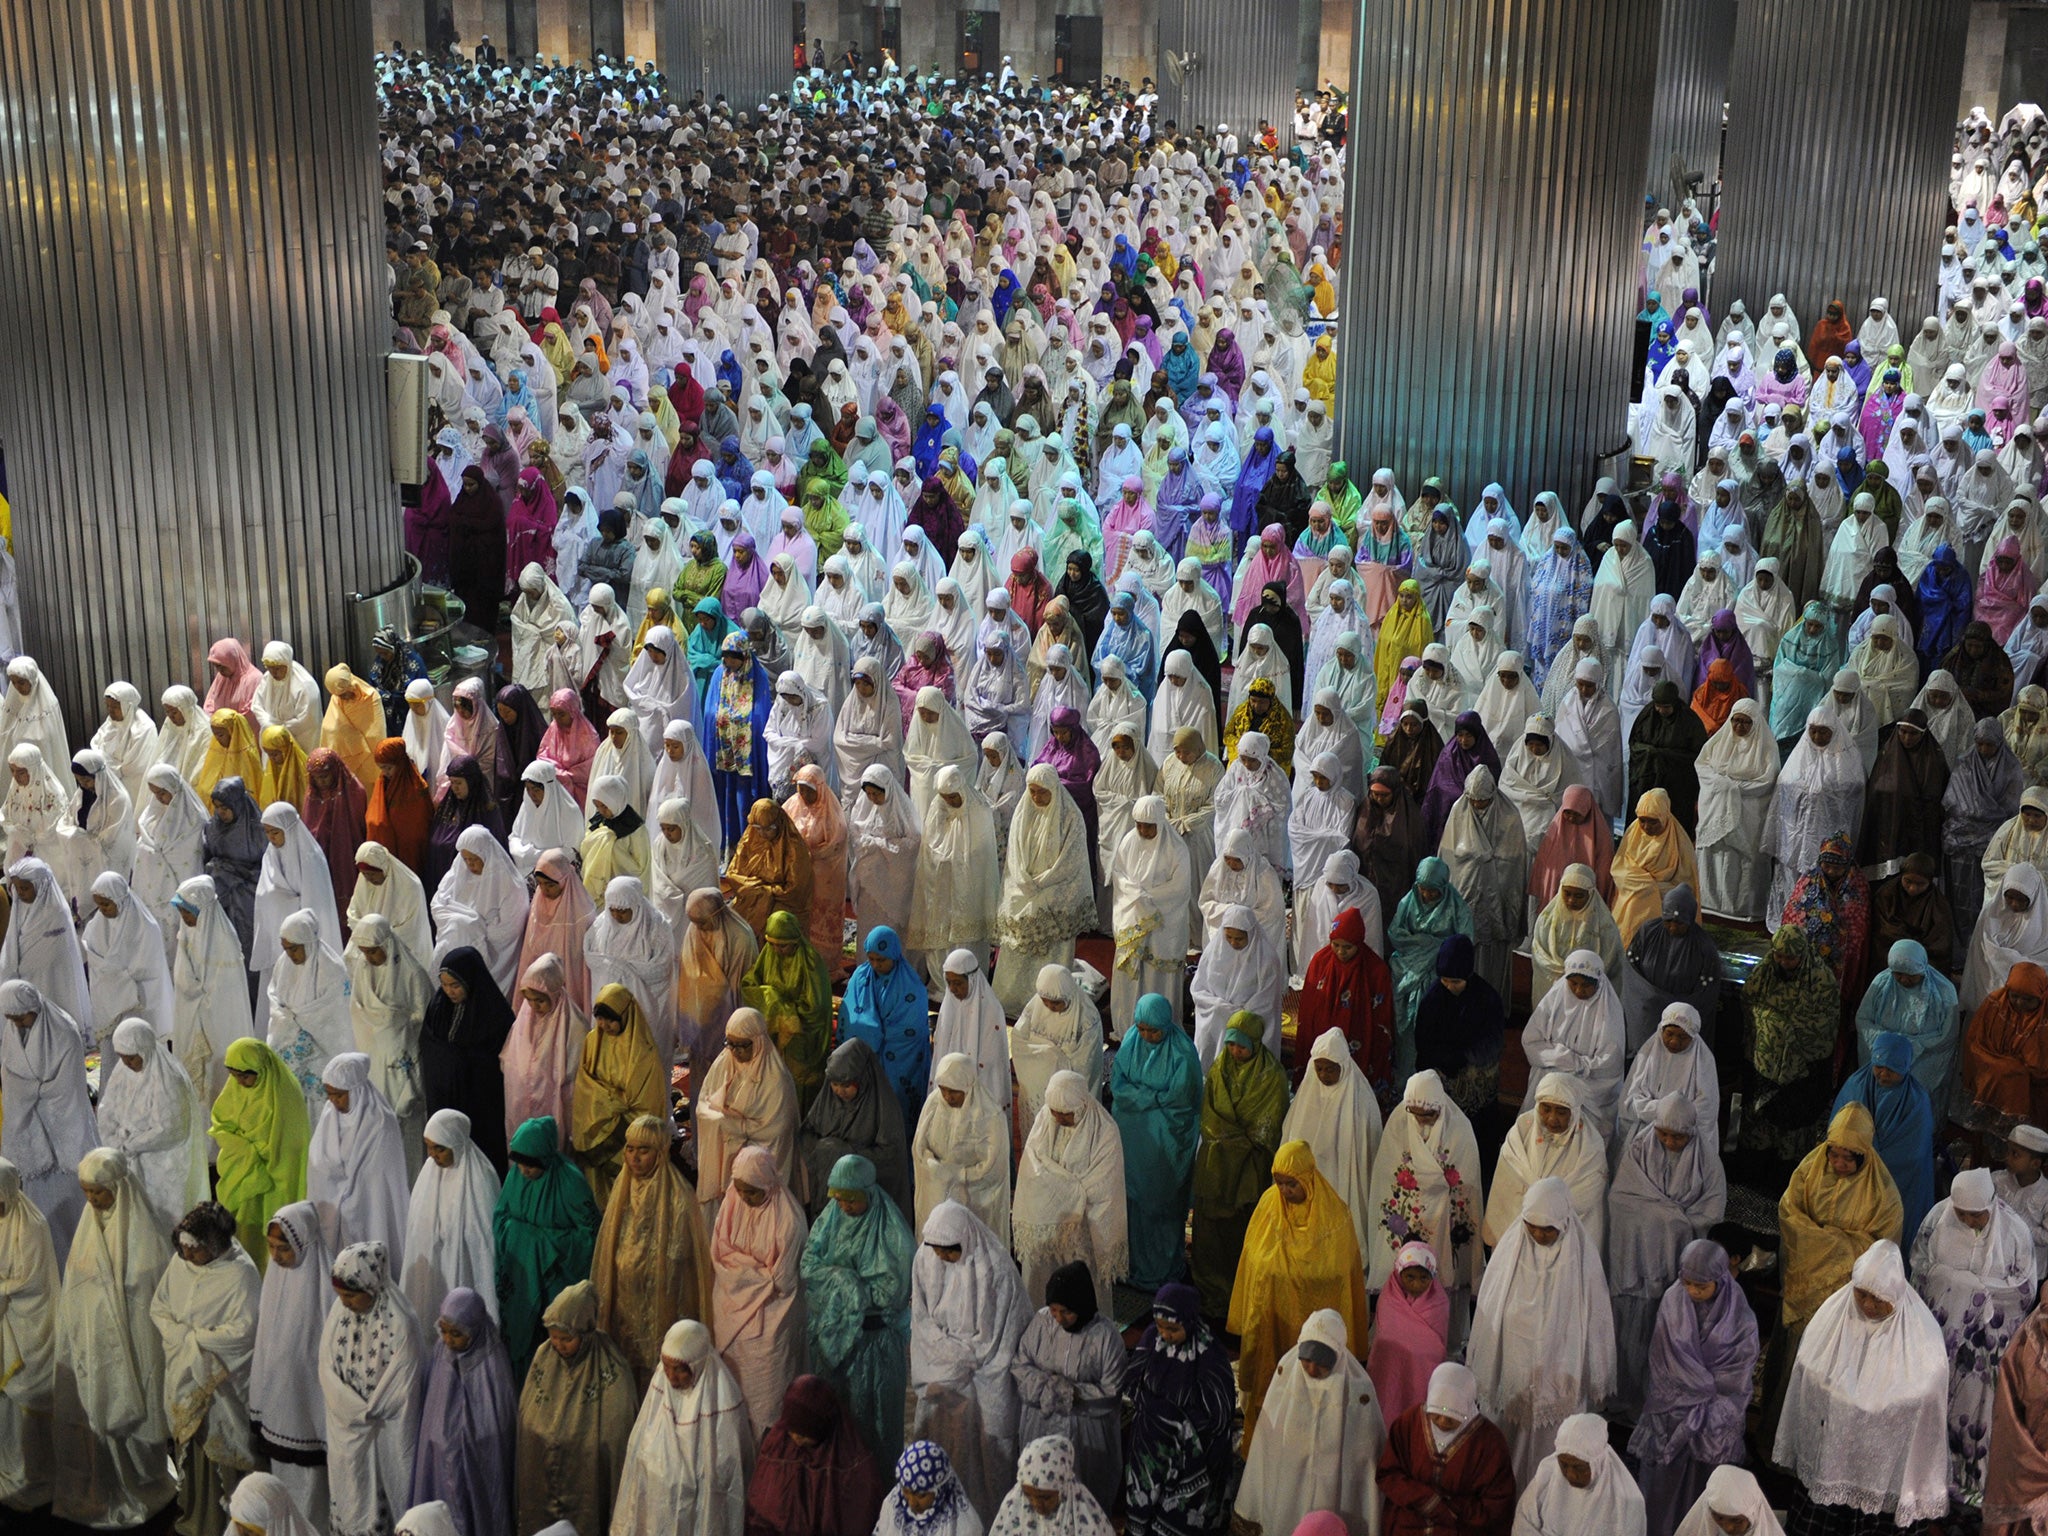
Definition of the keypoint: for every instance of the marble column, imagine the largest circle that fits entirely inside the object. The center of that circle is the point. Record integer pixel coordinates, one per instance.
(1835, 183)
(193, 284)
(1245, 56)
(1692, 93)
(1488, 273)
(739, 49)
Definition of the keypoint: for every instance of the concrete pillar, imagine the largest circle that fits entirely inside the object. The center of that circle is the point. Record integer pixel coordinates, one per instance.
(1984, 59)
(1245, 55)
(608, 29)
(1862, 218)
(1692, 92)
(1488, 280)
(739, 49)
(522, 31)
(193, 283)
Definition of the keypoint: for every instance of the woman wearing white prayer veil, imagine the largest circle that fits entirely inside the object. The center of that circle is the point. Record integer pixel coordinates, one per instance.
(1671, 1061)
(293, 878)
(1732, 1501)
(548, 818)
(1475, 653)
(1070, 1199)
(545, 639)
(285, 1399)
(110, 1428)
(631, 943)
(1889, 670)
(819, 654)
(183, 737)
(30, 714)
(883, 836)
(684, 862)
(1319, 821)
(1556, 1503)
(1151, 880)
(1576, 1030)
(623, 752)
(1240, 970)
(288, 696)
(387, 997)
(355, 1164)
(1489, 864)
(1589, 728)
(692, 1447)
(1334, 1111)
(996, 695)
(1262, 657)
(31, 1280)
(1864, 1427)
(938, 739)
(957, 891)
(370, 1370)
(398, 895)
(1551, 1139)
(130, 975)
(209, 987)
(1668, 1191)
(1662, 632)
(1325, 727)
(1738, 774)
(968, 1310)
(102, 836)
(168, 845)
(660, 686)
(1115, 703)
(799, 730)
(1319, 1438)
(1427, 1179)
(971, 1023)
(150, 1113)
(2011, 928)
(425, 732)
(1058, 1031)
(1973, 1262)
(1063, 685)
(908, 606)
(1535, 773)
(127, 737)
(868, 731)
(1339, 888)
(448, 1241)
(1048, 896)
(36, 801)
(1190, 593)
(1819, 795)
(681, 771)
(1183, 699)
(481, 902)
(1542, 1343)
(1253, 797)
(1623, 588)
(961, 1148)
(309, 1021)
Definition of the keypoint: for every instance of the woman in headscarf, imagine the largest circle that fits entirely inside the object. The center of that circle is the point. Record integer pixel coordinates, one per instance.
(859, 1116)
(1700, 1367)
(48, 1116)
(770, 869)
(1177, 1446)
(747, 1099)
(792, 990)
(462, 1036)
(1300, 1254)
(545, 1227)
(1913, 999)
(1323, 1439)
(448, 1240)
(1554, 1138)
(887, 1009)
(1864, 1423)
(1445, 1449)
(259, 1123)
(575, 1417)
(652, 1263)
(110, 1425)
(1981, 669)
(1795, 1009)
(857, 1272)
(1070, 1198)
(815, 1475)
(32, 1279)
(1670, 959)
(692, 1450)
(1905, 1122)
(1831, 906)
(370, 1369)
(1543, 1329)
(757, 1248)
(1431, 911)
(1483, 849)
(468, 1421)
(619, 1079)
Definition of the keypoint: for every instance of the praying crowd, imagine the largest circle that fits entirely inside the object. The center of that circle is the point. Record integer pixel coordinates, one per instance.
(968, 966)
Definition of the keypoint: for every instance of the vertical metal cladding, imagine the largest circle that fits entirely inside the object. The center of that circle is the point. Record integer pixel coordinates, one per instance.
(738, 49)
(1247, 54)
(192, 265)
(1491, 240)
(1692, 90)
(1861, 216)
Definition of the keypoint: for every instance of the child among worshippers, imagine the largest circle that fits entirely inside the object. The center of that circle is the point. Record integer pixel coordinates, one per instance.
(1444, 1455)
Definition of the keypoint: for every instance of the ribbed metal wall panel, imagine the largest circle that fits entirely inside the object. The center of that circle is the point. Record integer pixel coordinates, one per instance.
(1692, 90)
(1247, 54)
(738, 49)
(1841, 117)
(193, 284)
(1491, 239)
